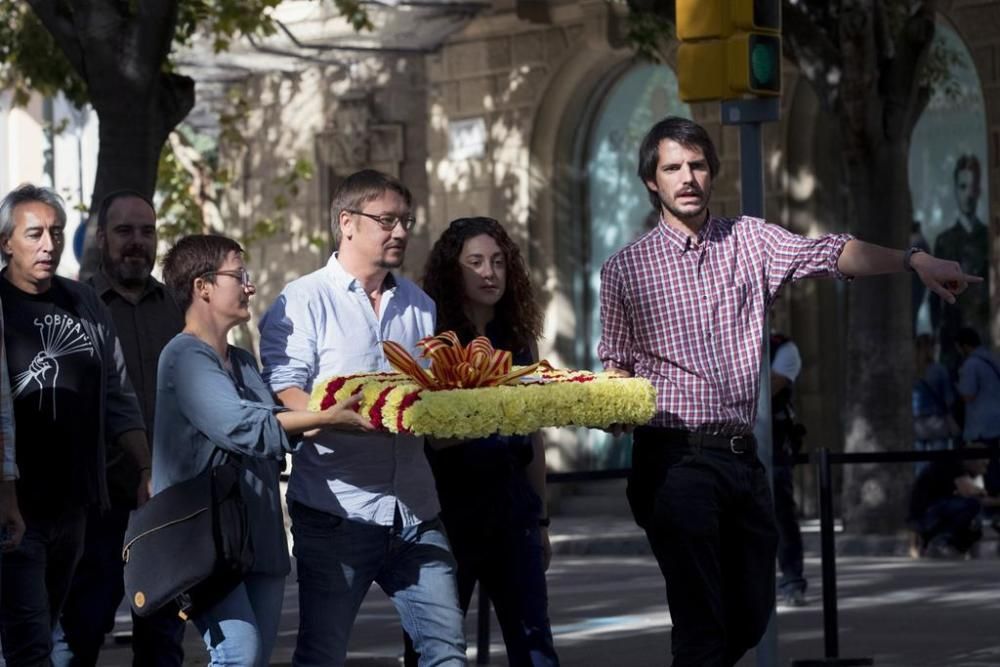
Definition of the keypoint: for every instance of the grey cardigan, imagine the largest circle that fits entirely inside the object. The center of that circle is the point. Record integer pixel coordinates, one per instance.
(119, 407)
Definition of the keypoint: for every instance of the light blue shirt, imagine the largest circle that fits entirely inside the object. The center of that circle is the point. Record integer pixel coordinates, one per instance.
(323, 325)
(979, 376)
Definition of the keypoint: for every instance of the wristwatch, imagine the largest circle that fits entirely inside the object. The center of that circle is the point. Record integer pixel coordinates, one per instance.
(908, 258)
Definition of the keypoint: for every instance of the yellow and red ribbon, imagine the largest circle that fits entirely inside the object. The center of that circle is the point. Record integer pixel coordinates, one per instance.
(456, 366)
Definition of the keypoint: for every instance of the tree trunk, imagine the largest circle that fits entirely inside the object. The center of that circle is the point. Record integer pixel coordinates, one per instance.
(119, 50)
(132, 136)
(877, 412)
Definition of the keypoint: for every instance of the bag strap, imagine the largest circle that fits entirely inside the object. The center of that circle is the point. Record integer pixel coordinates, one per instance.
(237, 375)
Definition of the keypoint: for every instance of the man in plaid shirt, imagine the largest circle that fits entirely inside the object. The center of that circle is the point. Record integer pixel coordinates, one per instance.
(11, 523)
(684, 306)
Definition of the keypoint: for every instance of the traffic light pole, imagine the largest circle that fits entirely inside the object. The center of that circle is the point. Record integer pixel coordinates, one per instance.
(749, 115)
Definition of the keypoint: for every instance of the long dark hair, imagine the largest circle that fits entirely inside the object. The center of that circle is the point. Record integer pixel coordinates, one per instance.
(517, 317)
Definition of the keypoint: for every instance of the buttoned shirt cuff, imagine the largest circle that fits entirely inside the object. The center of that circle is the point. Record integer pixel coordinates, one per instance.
(281, 379)
(610, 364)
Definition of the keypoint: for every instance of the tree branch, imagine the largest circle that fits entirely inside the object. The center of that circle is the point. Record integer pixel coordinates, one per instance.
(101, 28)
(53, 15)
(884, 48)
(156, 22)
(809, 45)
(860, 101)
(903, 86)
(176, 99)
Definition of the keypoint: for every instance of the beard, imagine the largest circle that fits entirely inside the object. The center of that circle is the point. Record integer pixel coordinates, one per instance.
(126, 273)
(390, 263)
(386, 263)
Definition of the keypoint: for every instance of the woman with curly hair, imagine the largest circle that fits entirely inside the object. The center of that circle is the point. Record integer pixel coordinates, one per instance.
(492, 490)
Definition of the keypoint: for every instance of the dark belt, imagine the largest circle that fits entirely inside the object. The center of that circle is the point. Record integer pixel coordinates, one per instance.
(737, 444)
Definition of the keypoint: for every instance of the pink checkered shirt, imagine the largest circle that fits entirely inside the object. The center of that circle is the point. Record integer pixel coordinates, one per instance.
(690, 316)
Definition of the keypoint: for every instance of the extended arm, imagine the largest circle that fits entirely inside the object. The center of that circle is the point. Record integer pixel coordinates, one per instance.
(943, 277)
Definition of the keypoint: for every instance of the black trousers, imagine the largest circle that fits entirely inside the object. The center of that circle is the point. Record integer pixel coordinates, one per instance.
(710, 522)
(97, 589)
(790, 551)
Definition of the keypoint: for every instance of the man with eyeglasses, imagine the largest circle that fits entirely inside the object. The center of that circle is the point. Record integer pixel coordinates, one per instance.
(146, 317)
(71, 398)
(364, 508)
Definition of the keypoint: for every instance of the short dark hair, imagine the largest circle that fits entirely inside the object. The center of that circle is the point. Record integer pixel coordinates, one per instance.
(685, 132)
(360, 188)
(968, 337)
(112, 197)
(967, 162)
(192, 257)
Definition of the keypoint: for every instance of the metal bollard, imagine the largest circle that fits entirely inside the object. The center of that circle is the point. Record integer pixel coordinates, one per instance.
(828, 556)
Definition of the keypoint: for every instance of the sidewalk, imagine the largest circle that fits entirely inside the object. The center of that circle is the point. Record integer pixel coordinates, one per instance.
(607, 607)
(610, 611)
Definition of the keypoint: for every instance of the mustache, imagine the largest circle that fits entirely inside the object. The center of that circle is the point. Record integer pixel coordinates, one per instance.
(137, 251)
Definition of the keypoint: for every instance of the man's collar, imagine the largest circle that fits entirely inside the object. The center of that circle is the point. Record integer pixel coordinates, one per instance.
(102, 284)
(683, 242)
(345, 281)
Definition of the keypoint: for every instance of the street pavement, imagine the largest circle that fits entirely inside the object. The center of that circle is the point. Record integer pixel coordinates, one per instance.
(610, 610)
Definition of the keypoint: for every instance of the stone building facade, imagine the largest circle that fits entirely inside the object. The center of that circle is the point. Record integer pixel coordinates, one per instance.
(505, 119)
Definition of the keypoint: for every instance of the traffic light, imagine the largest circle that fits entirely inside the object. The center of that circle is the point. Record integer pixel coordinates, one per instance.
(729, 49)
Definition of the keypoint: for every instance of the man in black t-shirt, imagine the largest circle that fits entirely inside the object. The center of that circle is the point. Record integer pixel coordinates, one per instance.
(70, 397)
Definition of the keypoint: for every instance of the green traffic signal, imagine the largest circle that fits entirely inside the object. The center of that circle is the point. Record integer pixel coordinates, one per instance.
(765, 63)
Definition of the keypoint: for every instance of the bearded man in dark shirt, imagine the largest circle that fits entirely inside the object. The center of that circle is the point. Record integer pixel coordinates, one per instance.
(146, 318)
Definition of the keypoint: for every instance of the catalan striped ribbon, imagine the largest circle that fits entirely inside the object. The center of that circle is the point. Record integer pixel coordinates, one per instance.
(456, 366)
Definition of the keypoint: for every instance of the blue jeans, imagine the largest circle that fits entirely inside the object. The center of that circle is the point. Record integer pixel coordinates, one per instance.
(95, 594)
(240, 631)
(34, 582)
(337, 562)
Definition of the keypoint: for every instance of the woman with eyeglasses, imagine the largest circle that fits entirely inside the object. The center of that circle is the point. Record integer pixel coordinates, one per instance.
(212, 406)
(492, 490)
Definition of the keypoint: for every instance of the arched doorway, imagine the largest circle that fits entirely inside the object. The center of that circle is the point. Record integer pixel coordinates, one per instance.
(616, 208)
(948, 179)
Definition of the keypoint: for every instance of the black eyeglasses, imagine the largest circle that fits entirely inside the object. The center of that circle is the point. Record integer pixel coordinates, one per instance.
(388, 222)
(242, 275)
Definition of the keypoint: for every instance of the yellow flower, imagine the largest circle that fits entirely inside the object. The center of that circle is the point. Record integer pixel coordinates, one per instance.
(561, 398)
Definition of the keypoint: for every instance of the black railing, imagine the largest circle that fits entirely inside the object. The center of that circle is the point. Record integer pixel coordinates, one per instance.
(824, 460)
